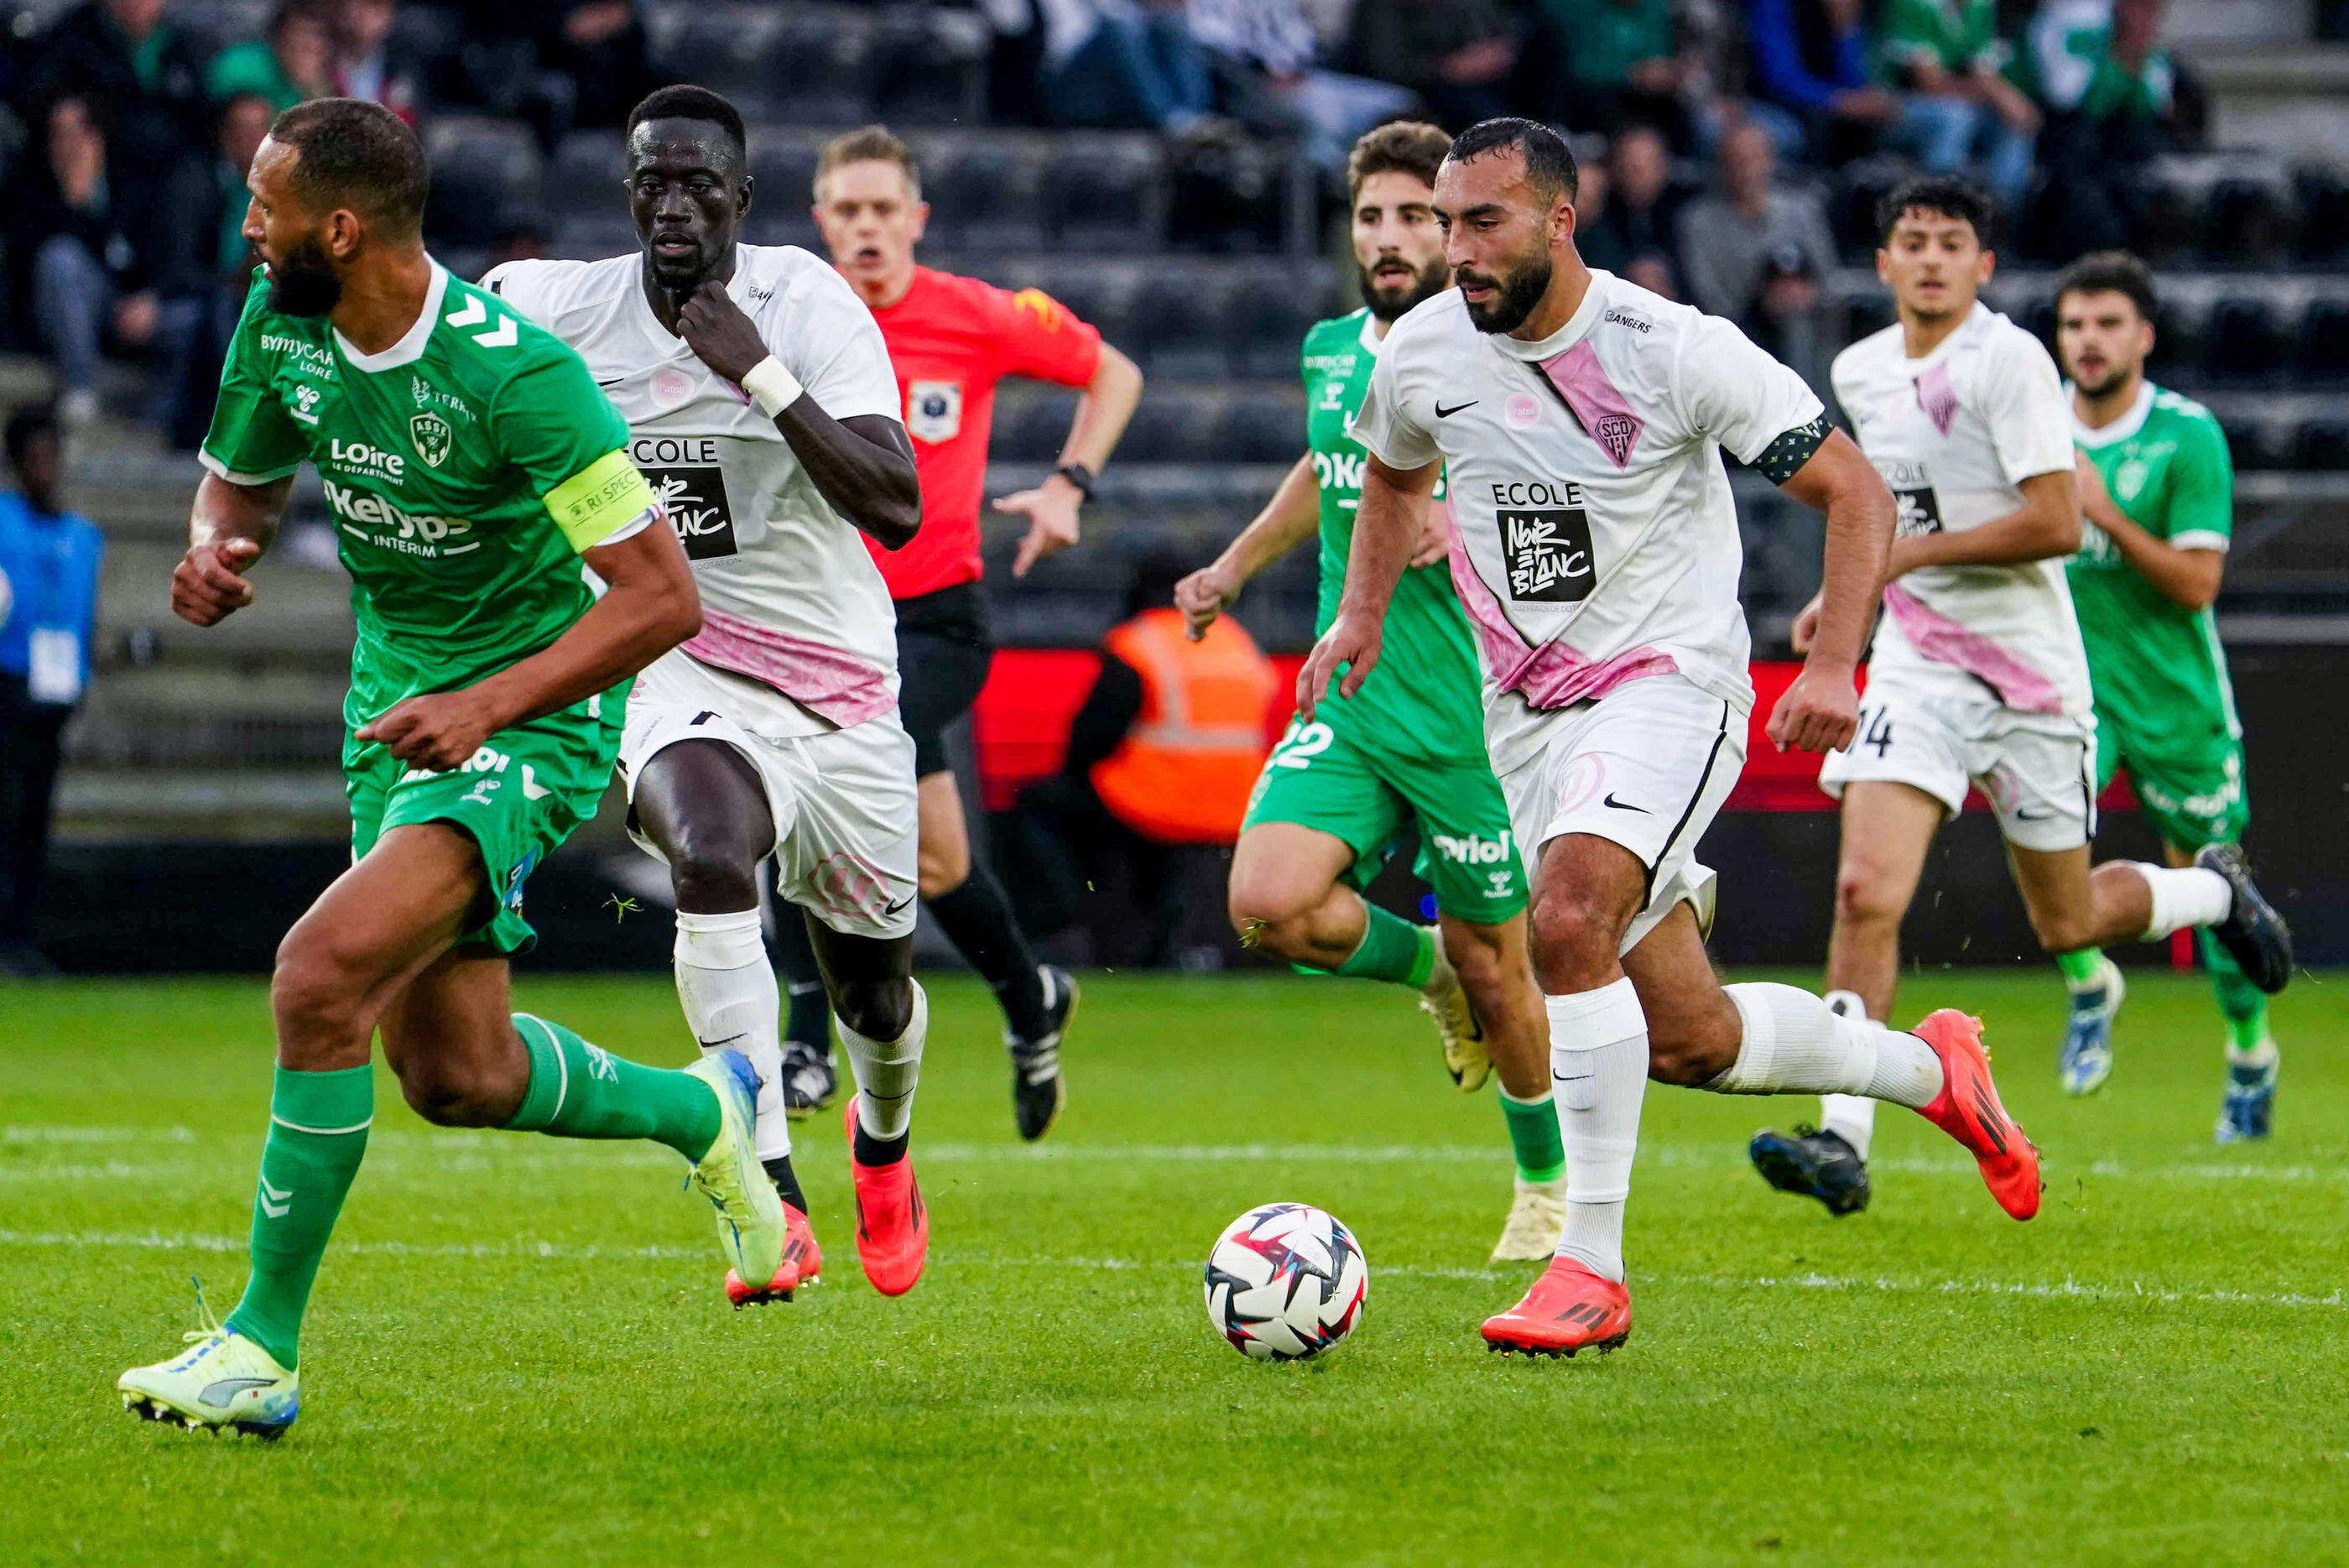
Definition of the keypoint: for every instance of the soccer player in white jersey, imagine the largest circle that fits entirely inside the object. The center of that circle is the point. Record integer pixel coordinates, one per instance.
(760, 403)
(1978, 674)
(1580, 421)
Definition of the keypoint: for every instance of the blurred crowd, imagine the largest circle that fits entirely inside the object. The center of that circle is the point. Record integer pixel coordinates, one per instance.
(133, 125)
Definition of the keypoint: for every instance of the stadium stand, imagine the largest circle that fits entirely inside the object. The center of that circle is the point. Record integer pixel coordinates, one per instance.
(1205, 254)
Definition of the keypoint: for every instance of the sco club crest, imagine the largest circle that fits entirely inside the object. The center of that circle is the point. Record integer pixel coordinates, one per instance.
(432, 438)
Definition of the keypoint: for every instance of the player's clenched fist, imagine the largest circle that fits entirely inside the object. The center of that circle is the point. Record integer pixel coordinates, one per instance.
(1202, 596)
(208, 585)
(1346, 643)
(1819, 712)
(437, 732)
(714, 327)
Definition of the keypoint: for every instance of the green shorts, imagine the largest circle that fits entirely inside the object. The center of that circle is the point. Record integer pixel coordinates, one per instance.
(1322, 775)
(2192, 790)
(517, 797)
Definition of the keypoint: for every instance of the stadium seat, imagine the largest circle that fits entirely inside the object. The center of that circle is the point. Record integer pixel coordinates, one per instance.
(1034, 429)
(1263, 427)
(2324, 444)
(2243, 342)
(814, 71)
(982, 192)
(728, 49)
(2246, 222)
(2323, 195)
(2247, 440)
(1106, 195)
(1178, 428)
(2323, 358)
(1267, 322)
(1170, 326)
(928, 66)
(1231, 197)
(585, 172)
(484, 172)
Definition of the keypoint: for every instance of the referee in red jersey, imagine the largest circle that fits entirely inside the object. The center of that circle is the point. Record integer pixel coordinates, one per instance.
(951, 339)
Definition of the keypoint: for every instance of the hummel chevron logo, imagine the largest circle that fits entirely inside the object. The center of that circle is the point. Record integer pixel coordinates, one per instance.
(472, 315)
(274, 1203)
(531, 788)
(503, 336)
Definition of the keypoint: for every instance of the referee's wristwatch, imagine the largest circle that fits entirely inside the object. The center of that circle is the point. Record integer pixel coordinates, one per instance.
(1078, 474)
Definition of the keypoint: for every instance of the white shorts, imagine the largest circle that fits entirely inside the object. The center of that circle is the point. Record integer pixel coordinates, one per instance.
(1938, 731)
(847, 828)
(1646, 766)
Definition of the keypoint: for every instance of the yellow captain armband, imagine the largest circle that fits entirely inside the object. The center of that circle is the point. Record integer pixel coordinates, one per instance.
(598, 499)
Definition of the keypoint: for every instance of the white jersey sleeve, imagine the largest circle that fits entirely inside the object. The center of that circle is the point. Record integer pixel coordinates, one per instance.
(1733, 393)
(1383, 425)
(826, 338)
(2030, 417)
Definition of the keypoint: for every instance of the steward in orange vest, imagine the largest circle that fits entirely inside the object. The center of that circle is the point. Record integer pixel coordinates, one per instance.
(1182, 771)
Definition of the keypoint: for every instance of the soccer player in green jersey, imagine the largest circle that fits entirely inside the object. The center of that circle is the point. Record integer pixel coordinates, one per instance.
(471, 466)
(2158, 489)
(1408, 748)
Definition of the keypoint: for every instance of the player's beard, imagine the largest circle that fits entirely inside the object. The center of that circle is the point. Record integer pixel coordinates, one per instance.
(302, 281)
(2113, 381)
(1517, 299)
(1388, 306)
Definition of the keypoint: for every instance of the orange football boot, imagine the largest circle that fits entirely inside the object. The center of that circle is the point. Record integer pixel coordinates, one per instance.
(803, 1262)
(1968, 1109)
(892, 1228)
(1568, 1309)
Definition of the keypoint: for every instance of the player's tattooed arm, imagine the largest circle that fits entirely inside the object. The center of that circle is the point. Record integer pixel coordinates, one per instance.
(1287, 521)
(1820, 712)
(862, 465)
(1388, 524)
(228, 528)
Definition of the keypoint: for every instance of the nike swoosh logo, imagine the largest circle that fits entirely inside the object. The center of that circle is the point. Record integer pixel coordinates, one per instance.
(613, 382)
(1625, 805)
(899, 908)
(217, 1394)
(2023, 815)
(1571, 1078)
(714, 1044)
(1443, 413)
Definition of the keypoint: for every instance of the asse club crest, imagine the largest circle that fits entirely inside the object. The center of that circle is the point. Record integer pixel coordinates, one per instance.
(432, 437)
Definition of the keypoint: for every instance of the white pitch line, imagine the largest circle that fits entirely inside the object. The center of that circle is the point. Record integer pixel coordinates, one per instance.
(2066, 1289)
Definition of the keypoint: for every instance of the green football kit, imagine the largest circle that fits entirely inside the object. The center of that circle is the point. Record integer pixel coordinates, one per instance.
(1411, 743)
(2165, 709)
(466, 469)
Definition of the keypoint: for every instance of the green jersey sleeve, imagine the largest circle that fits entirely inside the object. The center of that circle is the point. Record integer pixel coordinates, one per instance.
(552, 423)
(2201, 511)
(253, 439)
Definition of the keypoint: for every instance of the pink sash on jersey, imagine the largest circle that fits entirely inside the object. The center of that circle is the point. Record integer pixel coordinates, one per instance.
(1552, 675)
(1944, 641)
(828, 681)
(1596, 401)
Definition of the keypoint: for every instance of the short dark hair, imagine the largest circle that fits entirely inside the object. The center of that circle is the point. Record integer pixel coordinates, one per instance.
(1409, 147)
(1943, 194)
(687, 102)
(1549, 161)
(2116, 271)
(867, 144)
(356, 155)
(32, 420)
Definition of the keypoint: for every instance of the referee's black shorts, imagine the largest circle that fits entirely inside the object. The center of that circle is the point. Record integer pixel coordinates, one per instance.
(943, 649)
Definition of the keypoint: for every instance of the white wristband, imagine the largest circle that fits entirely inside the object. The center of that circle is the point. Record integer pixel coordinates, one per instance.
(771, 387)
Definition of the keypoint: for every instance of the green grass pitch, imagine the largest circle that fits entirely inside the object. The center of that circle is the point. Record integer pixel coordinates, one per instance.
(518, 1351)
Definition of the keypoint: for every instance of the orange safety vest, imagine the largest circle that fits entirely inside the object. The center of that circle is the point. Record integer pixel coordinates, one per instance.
(1182, 773)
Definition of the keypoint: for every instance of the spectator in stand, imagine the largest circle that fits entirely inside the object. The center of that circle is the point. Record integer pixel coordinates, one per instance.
(2115, 102)
(1960, 115)
(1813, 60)
(600, 47)
(145, 74)
(209, 268)
(365, 66)
(1460, 56)
(1122, 63)
(1624, 63)
(1753, 252)
(286, 66)
(48, 612)
(1640, 223)
(1595, 239)
(1270, 47)
(83, 226)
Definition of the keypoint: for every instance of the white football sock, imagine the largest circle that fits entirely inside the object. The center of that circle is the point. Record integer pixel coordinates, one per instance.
(1795, 1042)
(729, 991)
(1851, 1117)
(887, 1070)
(1599, 1069)
(2184, 896)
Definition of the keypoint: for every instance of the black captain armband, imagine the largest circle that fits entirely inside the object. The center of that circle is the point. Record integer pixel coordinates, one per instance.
(1781, 457)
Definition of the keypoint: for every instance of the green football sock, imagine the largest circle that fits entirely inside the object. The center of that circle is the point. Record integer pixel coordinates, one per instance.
(1534, 1136)
(317, 1136)
(2080, 968)
(2244, 1004)
(1394, 948)
(578, 1090)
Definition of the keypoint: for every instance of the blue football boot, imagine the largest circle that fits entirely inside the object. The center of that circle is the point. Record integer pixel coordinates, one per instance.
(1813, 1164)
(2087, 1057)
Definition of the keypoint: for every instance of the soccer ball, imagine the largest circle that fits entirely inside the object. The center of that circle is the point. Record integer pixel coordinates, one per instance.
(1285, 1281)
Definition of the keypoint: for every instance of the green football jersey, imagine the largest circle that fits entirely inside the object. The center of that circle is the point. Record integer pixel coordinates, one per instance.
(1425, 698)
(2158, 667)
(466, 467)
